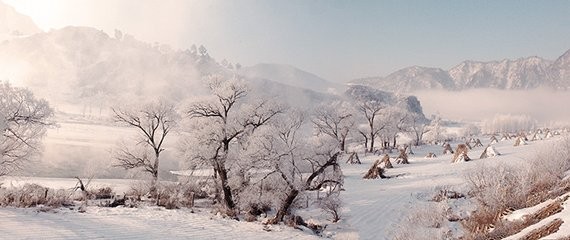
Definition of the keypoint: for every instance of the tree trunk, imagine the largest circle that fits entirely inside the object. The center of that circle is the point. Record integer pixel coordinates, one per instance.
(371, 143)
(342, 141)
(228, 199)
(417, 142)
(154, 181)
(284, 209)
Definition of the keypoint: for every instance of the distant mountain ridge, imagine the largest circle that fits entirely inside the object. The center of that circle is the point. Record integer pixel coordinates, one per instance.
(287, 74)
(520, 74)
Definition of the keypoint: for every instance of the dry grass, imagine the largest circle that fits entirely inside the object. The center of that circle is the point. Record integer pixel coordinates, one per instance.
(545, 230)
(32, 195)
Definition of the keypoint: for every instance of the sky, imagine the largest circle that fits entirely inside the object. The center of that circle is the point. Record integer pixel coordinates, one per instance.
(337, 40)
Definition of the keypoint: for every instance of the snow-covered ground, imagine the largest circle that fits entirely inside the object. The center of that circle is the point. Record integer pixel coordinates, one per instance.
(371, 207)
(133, 223)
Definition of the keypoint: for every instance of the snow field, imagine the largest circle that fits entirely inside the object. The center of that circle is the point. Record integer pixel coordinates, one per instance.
(371, 208)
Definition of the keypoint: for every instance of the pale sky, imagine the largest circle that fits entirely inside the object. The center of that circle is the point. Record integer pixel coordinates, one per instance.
(337, 40)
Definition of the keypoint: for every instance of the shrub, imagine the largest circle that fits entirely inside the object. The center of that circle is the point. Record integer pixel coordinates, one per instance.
(32, 195)
(102, 193)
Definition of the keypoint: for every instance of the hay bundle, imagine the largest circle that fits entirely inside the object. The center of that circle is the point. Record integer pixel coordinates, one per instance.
(548, 134)
(520, 141)
(431, 155)
(402, 158)
(468, 145)
(447, 149)
(494, 139)
(375, 171)
(408, 149)
(353, 159)
(478, 143)
(523, 136)
(489, 151)
(505, 137)
(461, 154)
(386, 161)
(535, 137)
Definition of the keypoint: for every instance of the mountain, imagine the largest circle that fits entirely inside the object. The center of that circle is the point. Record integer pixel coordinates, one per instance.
(523, 73)
(14, 24)
(288, 75)
(411, 79)
(84, 70)
(560, 70)
(84, 67)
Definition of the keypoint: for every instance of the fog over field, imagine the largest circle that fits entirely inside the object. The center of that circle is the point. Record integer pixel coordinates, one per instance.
(545, 105)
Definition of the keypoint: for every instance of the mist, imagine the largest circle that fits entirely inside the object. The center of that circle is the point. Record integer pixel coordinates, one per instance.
(476, 105)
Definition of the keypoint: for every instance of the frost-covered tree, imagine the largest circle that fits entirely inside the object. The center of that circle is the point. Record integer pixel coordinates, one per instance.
(153, 122)
(470, 130)
(392, 121)
(193, 50)
(203, 51)
(297, 163)
(370, 110)
(219, 126)
(23, 122)
(335, 121)
(418, 126)
(434, 130)
(502, 123)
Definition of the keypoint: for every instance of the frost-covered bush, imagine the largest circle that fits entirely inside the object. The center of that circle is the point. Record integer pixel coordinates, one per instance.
(425, 221)
(497, 188)
(31, 195)
(101, 193)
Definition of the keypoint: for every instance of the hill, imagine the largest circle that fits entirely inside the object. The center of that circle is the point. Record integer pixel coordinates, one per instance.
(520, 74)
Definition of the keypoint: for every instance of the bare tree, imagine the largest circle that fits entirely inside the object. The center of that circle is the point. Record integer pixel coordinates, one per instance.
(394, 121)
(370, 110)
(418, 127)
(334, 121)
(220, 123)
(153, 121)
(298, 163)
(23, 122)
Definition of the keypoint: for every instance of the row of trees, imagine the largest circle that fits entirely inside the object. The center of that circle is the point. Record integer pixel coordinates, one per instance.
(255, 147)
(260, 150)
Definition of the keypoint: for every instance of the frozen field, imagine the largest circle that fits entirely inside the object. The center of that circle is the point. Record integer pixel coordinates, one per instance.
(371, 207)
